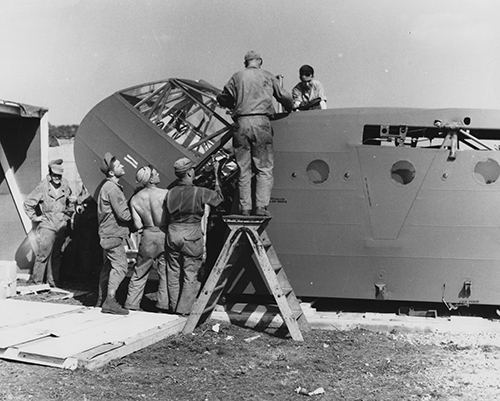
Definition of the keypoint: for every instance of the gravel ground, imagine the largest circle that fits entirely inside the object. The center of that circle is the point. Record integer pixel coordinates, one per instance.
(236, 363)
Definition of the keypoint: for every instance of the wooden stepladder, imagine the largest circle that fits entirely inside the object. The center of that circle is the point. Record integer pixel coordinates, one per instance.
(252, 230)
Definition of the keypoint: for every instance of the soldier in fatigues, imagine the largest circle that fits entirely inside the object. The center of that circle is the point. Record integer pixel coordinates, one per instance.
(49, 206)
(249, 93)
(185, 205)
(114, 219)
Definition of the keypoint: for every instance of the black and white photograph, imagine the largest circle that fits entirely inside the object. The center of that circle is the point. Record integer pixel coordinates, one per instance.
(249, 200)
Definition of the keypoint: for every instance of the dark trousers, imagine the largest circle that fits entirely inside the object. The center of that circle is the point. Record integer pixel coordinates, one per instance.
(184, 248)
(151, 249)
(48, 255)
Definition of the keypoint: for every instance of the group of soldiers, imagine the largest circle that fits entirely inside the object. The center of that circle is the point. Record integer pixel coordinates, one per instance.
(169, 221)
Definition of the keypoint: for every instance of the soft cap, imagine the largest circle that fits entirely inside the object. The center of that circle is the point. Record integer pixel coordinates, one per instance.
(107, 162)
(252, 55)
(182, 165)
(55, 166)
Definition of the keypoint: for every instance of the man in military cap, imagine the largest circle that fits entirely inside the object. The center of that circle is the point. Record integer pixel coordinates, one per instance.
(249, 93)
(149, 218)
(49, 207)
(185, 205)
(114, 219)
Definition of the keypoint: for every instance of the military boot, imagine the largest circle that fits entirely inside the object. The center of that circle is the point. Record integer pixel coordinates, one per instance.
(262, 211)
(111, 306)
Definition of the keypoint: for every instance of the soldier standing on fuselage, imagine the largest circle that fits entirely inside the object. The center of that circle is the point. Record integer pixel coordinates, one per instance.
(250, 94)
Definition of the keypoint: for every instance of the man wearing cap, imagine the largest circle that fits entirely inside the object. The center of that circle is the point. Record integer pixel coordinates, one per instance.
(185, 205)
(114, 218)
(149, 218)
(49, 206)
(308, 90)
(249, 93)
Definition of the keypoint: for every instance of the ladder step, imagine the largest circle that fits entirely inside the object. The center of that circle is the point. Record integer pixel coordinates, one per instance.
(266, 243)
(276, 265)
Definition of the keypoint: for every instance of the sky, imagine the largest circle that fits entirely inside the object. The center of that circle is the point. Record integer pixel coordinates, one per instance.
(67, 55)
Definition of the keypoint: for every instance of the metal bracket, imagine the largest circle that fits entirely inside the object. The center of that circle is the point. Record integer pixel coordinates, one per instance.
(380, 290)
(454, 306)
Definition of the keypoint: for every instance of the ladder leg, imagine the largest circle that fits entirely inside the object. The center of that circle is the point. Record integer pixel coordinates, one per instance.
(212, 280)
(274, 286)
(283, 281)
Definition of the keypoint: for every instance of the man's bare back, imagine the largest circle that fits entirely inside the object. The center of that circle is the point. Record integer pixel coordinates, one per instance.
(147, 207)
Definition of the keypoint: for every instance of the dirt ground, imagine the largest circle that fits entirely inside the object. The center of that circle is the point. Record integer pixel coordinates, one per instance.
(237, 363)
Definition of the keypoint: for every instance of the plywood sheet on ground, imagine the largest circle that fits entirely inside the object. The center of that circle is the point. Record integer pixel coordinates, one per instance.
(69, 336)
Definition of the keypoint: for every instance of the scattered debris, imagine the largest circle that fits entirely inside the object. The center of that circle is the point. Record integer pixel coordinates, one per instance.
(301, 390)
(32, 289)
(250, 339)
(229, 338)
(318, 391)
(304, 391)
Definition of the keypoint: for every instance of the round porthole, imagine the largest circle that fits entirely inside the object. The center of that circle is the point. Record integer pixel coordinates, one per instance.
(318, 171)
(403, 172)
(487, 172)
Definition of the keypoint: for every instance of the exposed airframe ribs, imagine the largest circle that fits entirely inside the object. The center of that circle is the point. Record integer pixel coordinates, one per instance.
(186, 112)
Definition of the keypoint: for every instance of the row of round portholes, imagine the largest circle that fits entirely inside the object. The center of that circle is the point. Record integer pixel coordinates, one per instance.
(403, 172)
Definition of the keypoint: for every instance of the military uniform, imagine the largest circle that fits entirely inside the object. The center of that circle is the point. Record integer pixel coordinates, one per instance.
(250, 93)
(114, 219)
(185, 205)
(50, 208)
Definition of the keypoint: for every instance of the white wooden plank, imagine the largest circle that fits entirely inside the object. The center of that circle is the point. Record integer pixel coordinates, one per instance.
(134, 344)
(32, 289)
(15, 312)
(13, 354)
(17, 197)
(44, 145)
(118, 330)
(56, 326)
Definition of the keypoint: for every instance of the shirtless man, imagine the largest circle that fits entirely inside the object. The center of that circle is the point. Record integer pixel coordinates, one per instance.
(148, 216)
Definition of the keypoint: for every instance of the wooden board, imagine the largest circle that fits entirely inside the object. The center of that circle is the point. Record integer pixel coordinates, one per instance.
(69, 336)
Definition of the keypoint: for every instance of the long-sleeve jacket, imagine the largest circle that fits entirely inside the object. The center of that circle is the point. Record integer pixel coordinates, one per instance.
(53, 205)
(185, 203)
(251, 92)
(113, 213)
